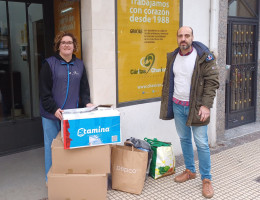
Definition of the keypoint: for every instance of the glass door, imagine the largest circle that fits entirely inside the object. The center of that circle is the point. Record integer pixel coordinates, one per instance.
(21, 53)
(37, 52)
(22, 50)
(5, 83)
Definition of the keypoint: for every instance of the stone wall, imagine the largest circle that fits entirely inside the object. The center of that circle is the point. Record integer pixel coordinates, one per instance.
(221, 61)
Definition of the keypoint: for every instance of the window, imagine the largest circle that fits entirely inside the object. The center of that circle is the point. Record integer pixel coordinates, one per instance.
(243, 8)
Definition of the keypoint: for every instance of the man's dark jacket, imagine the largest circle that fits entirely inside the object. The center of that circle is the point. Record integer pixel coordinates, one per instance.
(204, 83)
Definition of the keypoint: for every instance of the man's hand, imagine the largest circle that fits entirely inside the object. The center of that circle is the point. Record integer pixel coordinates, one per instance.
(204, 113)
(58, 114)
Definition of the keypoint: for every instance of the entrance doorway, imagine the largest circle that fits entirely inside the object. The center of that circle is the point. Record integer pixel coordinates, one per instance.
(22, 49)
(242, 48)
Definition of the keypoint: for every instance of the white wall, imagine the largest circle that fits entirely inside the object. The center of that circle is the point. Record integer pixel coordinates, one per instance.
(142, 121)
(98, 38)
(196, 14)
(98, 48)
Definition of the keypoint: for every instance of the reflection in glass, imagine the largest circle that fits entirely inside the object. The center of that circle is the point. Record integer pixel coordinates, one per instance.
(5, 84)
(36, 33)
(19, 55)
(243, 8)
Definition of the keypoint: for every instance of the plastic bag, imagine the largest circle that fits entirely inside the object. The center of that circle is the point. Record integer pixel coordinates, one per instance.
(163, 159)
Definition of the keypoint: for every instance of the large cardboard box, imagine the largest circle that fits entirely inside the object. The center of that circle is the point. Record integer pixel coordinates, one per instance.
(77, 186)
(94, 160)
(83, 128)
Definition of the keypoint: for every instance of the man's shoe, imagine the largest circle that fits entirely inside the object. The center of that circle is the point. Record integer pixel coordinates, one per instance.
(207, 189)
(185, 176)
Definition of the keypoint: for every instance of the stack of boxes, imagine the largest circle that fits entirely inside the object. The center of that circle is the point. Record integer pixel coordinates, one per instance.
(79, 173)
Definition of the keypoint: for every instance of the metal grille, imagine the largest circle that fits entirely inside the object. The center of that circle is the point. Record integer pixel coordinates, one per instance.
(242, 51)
(242, 67)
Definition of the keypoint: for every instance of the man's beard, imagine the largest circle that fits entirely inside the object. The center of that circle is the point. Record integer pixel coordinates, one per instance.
(184, 47)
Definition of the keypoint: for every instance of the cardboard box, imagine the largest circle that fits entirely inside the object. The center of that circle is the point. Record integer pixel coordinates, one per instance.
(77, 186)
(83, 128)
(81, 160)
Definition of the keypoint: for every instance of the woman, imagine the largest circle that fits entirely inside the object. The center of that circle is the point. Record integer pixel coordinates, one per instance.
(63, 85)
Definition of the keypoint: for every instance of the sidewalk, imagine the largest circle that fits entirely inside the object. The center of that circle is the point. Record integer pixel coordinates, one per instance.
(235, 171)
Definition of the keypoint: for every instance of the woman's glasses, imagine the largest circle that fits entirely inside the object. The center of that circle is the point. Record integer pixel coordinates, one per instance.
(66, 43)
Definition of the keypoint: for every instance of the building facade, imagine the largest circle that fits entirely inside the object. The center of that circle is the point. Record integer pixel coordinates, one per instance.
(228, 27)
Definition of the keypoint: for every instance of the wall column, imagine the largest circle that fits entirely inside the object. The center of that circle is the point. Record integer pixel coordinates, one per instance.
(98, 49)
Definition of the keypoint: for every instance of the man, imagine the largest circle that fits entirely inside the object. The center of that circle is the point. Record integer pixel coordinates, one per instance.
(189, 88)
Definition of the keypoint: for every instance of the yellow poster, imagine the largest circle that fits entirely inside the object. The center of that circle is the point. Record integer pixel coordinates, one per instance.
(67, 18)
(146, 31)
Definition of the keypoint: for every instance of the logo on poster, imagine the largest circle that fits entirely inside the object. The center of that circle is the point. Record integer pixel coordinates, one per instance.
(147, 63)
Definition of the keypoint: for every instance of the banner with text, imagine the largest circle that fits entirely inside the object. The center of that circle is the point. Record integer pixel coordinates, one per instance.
(67, 18)
(146, 32)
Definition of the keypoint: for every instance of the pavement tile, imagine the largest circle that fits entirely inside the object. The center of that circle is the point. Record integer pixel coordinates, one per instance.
(235, 173)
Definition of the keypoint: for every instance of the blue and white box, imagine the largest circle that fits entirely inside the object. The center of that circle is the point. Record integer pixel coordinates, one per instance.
(83, 127)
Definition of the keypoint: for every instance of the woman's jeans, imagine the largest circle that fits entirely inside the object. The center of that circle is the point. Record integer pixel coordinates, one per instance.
(51, 129)
(201, 140)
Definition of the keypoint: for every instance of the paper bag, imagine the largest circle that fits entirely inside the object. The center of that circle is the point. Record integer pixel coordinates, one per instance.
(128, 168)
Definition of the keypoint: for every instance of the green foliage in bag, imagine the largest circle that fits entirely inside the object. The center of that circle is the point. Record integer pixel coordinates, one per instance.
(163, 160)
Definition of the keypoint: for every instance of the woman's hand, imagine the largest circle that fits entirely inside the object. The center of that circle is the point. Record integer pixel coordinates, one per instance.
(90, 105)
(58, 114)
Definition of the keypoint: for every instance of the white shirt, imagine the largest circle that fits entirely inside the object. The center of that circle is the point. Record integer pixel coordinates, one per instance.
(183, 67)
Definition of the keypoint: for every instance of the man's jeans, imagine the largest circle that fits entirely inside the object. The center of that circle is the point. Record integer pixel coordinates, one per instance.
(200, 138)
(51, 129)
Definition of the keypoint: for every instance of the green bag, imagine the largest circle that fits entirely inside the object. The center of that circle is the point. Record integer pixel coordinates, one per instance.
(163, 159)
